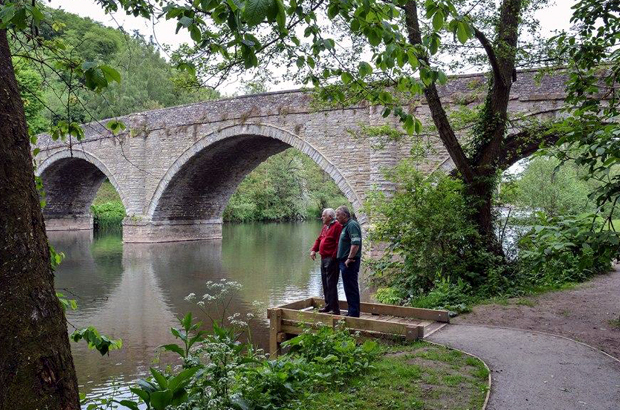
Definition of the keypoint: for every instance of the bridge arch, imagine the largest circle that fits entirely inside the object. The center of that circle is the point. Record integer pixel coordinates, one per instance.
(201, 181)
(71, 181)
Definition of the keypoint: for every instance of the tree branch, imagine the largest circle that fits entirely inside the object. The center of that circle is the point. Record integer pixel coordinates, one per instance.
(440, 118)
(523, 144)
(490, 51)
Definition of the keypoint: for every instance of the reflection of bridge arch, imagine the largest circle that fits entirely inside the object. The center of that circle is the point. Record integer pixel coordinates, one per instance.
(71, 181)
(218, 162)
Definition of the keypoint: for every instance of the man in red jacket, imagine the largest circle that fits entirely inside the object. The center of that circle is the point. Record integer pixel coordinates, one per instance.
(327, 246)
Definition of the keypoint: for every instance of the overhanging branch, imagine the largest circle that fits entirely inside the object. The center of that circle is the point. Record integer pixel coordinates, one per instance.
(490, 51)
(523, 144)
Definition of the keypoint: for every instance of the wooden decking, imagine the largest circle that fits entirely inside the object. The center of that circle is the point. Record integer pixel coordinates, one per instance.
(376, 320)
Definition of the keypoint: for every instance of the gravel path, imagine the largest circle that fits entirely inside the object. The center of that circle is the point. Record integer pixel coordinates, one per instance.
(589, 313)
(531, 370)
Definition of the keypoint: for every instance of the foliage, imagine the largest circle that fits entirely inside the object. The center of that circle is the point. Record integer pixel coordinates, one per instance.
(221, 372)
(30, 84)
(431, 242)
(108, 214)
(148, 81)
(288, 186)
(66, 303)
(95, 340)
(567, 249)
(334, 349)
(590, 130)
(547, 187)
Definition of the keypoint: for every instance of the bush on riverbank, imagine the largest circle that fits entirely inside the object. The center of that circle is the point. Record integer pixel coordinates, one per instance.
(108, 214)
(432, 259)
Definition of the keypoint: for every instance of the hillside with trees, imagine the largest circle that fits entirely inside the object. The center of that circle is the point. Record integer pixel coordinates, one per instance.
(288, 186)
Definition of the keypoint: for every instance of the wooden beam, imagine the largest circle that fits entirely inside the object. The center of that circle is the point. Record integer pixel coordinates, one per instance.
(372, 325)
(297, 305)
(401, 311)
(275, 325)
(300, 304)
(306, 317)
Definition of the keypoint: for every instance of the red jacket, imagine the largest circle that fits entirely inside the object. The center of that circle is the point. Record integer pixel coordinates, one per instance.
(327, 242)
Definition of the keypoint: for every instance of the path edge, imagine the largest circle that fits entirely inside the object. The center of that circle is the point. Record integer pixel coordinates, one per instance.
(542, 333)
(486, 399)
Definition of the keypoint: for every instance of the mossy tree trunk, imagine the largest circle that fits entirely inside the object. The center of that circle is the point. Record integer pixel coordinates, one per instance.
(36, 367)
(494, 150)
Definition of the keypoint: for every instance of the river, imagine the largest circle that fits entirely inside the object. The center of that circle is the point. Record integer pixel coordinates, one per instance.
(135, 292)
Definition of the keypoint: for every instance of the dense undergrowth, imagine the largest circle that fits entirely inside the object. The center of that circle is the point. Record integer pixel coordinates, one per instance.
(323, 368)
(434, 258)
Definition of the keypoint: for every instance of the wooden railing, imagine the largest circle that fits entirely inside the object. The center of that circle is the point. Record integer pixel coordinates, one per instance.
(292, 318)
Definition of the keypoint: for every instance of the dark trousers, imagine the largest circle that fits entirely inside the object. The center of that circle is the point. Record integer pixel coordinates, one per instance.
(351, 288)
(329, 277)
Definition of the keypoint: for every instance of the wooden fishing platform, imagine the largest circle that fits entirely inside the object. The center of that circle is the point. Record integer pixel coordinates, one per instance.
(376, 320)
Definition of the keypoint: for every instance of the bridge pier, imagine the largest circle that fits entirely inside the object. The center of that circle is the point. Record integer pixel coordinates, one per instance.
(68, 222)
(136, 230)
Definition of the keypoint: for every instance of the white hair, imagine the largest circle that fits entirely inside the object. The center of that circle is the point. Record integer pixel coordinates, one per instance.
(329, 212)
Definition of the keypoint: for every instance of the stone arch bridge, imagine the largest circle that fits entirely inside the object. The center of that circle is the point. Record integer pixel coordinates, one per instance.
(176, 168)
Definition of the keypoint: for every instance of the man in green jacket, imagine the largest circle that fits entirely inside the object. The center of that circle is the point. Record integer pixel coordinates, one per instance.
(349, 257)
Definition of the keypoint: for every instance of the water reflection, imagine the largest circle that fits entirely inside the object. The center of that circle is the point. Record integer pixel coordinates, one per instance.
(136, 291)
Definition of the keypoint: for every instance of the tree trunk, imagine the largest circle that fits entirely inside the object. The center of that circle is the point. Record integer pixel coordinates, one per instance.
(36, 367)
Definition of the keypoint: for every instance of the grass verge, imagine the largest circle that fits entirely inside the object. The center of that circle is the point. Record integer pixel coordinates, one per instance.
(416, 376)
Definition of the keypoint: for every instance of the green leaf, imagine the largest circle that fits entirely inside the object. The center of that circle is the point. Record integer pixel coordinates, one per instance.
(256, 10)
(159, 378)
(364, 69)
(187, 321)
(438, 20)
(181, 379)
(461, 32)
(146, 386)
(281, 17)
(346, 77)
(174, 348)
(115, 126)
(110, 73)
(373, 38)
(186, 21)
(129, 404)
(161, 399)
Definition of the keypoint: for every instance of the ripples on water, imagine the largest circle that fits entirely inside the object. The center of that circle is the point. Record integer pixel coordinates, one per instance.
(136, 291)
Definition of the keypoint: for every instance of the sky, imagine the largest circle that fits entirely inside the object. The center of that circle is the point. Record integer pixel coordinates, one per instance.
(554, 17)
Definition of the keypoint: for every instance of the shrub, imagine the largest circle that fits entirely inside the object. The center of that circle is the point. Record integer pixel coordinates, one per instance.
(566, 249)
(427, 224)
(108, 214)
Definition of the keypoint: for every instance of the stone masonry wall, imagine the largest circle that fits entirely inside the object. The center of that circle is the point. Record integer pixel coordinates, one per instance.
(171, 157)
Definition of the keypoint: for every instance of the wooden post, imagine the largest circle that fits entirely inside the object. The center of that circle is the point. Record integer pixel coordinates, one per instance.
(412, 333)
(275, 324)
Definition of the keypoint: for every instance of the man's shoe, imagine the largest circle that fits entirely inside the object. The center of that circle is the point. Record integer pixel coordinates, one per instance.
(324, 310)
